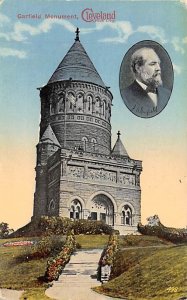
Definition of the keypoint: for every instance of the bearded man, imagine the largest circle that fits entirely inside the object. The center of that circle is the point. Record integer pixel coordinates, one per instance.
(146, 96)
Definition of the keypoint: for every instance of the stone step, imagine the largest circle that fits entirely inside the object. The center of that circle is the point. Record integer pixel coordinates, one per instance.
(77, 272)
(74, 277)
(79, 269)
(76, 282)
(84, 263)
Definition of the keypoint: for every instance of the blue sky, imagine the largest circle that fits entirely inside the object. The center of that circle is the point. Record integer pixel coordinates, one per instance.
(31, 49)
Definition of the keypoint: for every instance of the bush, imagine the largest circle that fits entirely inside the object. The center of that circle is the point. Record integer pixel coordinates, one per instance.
(42, 248)
(56, 264)
(60, 225)
(108, 254)
(91, 227)
(48, 245)
(46, 225)
(173, 235)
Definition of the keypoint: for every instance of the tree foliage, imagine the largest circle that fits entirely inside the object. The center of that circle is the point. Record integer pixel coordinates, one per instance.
(5, 230)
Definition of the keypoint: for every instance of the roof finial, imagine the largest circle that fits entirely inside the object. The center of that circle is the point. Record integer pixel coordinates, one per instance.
(118, 134)
(77, 34)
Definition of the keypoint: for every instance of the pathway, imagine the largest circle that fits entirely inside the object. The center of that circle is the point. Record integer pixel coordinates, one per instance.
(78, 277)
(7, 294)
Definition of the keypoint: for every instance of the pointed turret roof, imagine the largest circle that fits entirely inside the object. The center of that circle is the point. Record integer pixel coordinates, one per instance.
(49, 137)
(77, 65)
(119, 149)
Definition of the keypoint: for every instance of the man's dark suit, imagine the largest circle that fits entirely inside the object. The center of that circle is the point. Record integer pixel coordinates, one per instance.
(139, 102)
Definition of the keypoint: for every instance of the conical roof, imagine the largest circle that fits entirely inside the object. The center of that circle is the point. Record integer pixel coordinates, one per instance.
(49, 137)
(119, 149)
(77, 65)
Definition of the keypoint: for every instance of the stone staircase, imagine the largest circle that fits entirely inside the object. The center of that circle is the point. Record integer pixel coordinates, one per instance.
(77, 278)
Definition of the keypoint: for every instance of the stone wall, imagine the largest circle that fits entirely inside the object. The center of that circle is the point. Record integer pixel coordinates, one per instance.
(78, 111)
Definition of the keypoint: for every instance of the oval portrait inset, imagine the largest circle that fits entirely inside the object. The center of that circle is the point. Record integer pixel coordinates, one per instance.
(146, 79)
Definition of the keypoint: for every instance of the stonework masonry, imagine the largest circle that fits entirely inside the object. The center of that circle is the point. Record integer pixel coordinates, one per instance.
(78, 174)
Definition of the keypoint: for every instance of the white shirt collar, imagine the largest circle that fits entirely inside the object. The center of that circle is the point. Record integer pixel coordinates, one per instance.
(144, 86)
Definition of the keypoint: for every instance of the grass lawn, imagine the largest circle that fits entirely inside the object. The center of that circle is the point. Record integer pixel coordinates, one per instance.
(141, 241)
(152, 273)
(16, 272)
(92, 241)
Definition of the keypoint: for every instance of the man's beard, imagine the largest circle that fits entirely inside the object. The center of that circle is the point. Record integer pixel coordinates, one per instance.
(154, 81)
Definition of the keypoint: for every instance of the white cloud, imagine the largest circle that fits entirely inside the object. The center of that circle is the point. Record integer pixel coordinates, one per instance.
(184, 2)
(22, 30)
(5, 36)
(5, 52)
(176, 42)
(120, 33)
(184, 41)
(154, 32)
(47, 25)
(3, 19)
(123, 28)
(177, 69)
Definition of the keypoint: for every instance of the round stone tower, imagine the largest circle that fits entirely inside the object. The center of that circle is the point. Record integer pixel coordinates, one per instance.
(77, 104)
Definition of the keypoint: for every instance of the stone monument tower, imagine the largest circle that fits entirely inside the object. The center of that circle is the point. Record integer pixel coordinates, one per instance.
(78, 175)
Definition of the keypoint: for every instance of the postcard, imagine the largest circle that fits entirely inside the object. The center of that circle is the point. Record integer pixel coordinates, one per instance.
(93, 112)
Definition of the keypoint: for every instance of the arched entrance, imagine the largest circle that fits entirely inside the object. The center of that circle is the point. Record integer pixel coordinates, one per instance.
(102, 209)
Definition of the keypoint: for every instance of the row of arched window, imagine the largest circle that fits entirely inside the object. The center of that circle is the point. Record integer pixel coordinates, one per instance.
(89, 145)
(76, 213)
(80, 103)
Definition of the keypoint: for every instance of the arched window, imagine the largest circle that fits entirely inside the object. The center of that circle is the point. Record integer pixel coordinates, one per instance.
(89, 103)
(79, 102)
(72, 100)
(76, 210)
(51, 206)
(53, 107)
(53, 101)
(104, 108)
(109, 112)
(126, 218)
(84, 143)
(93, 144)
(98, 105)
(61, 105)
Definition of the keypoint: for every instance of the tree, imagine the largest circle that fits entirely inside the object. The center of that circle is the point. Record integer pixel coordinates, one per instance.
(5, 230)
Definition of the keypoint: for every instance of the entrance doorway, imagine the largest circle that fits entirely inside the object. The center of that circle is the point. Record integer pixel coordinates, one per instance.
(102, 209)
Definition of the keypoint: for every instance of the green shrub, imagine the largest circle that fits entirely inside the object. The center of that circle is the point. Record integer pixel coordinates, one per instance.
(56, 264)
(173, 235)
(60, 225)
(46, 225)
(109, 252)
(48, 245)
(91, 227)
